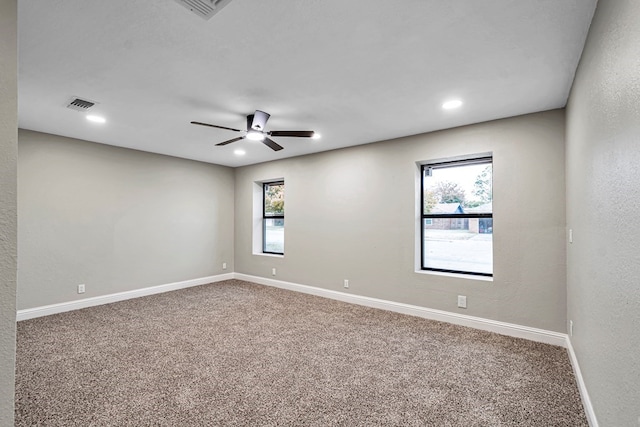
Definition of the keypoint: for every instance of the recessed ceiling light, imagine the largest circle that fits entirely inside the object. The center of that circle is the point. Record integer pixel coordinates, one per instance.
(239, 152)
(96, 119)
(450, 105)
(316, 135)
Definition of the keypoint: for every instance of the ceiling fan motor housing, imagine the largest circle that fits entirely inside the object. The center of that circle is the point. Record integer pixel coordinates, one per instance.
(258, 120)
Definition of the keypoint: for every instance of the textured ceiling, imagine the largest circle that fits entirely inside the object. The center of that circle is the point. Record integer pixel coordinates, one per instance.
(355, 71)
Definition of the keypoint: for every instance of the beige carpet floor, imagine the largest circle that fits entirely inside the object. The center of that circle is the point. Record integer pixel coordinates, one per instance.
(239, 354)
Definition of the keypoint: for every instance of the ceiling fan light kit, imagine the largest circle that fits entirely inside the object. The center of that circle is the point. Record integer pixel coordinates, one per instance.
(256, 123)
(255, 136)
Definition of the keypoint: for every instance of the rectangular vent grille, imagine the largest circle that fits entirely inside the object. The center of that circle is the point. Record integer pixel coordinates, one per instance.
(204, 8)
(80, 104)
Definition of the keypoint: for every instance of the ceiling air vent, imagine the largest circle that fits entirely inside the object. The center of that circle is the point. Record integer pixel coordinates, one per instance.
(204, 8)
(80, 104)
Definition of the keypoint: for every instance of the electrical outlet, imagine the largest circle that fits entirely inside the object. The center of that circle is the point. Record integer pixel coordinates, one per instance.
(346, 283)
(81, 289)
(462, 301)
(273, 271)
(224, 265)
(570, 235)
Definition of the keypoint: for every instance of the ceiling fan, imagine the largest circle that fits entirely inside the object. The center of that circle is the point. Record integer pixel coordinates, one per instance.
(256, 123)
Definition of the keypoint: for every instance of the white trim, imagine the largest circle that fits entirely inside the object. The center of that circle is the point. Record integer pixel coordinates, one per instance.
(456, 275)
(46, 310)
(269, 255)
(256, 230)
(582, 387)
(509, 329)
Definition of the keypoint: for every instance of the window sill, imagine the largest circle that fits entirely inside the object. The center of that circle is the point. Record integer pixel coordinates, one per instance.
(269, 255)
(457, 275)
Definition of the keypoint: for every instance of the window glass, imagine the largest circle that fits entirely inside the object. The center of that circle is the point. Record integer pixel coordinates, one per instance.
(274, 199)
(273, 218)
(274, 235)
(457, 217)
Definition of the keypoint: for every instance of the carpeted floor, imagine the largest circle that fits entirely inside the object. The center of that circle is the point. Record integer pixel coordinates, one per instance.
(235, 353)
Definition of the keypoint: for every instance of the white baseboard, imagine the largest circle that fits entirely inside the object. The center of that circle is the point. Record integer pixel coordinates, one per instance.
(46, 310)
(584, 394)
(509, 329)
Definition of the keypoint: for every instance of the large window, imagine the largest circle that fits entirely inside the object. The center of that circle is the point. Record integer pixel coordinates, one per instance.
(273, 217)
(457, 216)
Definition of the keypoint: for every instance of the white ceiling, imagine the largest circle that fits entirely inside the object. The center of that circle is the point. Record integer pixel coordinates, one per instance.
(356, 71)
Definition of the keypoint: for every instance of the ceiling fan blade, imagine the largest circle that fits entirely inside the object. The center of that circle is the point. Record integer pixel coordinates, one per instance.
(272, 144)
(298, 133)
(258, 120)
(215, 126)
(230, 141)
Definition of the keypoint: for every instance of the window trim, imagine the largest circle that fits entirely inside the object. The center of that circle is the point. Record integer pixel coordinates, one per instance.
(265, 216)
(441, 164)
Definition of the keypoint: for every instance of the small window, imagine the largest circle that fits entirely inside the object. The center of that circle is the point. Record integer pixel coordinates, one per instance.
(457, 216)
(273, 218)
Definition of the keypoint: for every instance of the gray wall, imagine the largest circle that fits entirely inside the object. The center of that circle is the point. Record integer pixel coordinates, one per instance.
(8, 220)
(351, 214)
(603, 202)
(115, 219)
